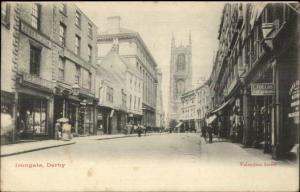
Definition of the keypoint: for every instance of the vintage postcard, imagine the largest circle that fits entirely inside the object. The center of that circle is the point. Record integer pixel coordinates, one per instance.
(150, 96)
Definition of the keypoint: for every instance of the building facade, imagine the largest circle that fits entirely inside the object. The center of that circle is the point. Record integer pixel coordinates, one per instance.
(159, 102)
(180, 77)
(40, 52)
(135, 53)
(130, 84)
(255, 76)
(188, 112)
(203, 105)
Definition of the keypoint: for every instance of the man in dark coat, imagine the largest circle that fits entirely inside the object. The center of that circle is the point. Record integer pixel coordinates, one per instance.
(210, 133)
(204, 132)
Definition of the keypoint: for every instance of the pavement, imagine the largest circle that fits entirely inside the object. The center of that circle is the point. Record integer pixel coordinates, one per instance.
(26, 147)
(160, 162)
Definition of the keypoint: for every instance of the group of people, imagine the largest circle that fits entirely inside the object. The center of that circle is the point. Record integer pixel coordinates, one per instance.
(138, 128)
(207, 130)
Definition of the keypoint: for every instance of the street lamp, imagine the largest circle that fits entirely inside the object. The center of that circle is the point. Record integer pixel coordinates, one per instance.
(75, 89)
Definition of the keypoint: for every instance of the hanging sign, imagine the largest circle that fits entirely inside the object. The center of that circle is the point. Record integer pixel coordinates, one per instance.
(262, 89)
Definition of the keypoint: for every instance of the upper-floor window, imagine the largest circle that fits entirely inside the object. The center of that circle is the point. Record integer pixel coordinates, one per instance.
(61, 69)
(78, 19)
(139, 102)
(35, 59)
(86, 79)
(90, 50)
(77, 45)
(35, 16)
(77, 74)
(109, 94)
(63, 8)
(5, 9)
(62, 34)
(90, 30)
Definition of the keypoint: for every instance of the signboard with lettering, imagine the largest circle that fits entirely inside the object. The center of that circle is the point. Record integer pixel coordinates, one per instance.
(262, 89)
(295, 102)
(34, 34)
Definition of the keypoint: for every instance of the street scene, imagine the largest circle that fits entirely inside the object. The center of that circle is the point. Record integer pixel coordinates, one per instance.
(150, 96)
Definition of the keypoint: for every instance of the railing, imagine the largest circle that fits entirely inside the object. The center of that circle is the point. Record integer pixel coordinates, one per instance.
(26, 77)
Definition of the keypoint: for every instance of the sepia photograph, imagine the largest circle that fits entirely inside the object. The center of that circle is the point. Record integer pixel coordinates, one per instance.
(150, 96)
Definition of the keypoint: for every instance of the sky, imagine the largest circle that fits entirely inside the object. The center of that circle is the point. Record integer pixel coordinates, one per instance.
(156, 21)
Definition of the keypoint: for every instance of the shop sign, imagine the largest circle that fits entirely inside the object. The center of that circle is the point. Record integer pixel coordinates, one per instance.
(295, 95)
(29, 31)
(261, 89)
(99, 117)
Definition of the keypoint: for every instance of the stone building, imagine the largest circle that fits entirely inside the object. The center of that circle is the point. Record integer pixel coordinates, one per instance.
(180, 76)
(135, 53)
(42, 64)
(188, 112)
(255, 77)
(159, 102)
(130, 84)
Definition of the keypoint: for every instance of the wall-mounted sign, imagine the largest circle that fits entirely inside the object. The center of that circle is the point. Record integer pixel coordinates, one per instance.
(34, 34)
(295, 102)
(261, 89)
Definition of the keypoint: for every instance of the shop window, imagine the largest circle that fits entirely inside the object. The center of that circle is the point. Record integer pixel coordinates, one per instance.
(61, 69)
(35, 57)
(35, 16)
(33, 116)
(62, 34)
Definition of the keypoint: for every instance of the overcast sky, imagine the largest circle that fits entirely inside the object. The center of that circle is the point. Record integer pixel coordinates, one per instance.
(156, 21)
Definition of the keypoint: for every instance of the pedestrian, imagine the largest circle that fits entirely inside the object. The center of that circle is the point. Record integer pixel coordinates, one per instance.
(210, 133)
(139, 130)
(204, 132)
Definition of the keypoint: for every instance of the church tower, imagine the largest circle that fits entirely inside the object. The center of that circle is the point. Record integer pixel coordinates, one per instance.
(180, 76)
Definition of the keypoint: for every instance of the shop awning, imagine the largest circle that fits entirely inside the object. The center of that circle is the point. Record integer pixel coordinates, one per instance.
(211, 119)
(223, 105)
(179, 124)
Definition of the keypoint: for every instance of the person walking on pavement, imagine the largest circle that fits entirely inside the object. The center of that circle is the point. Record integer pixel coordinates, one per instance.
(204, 132)
(210, 133)
(139, 130)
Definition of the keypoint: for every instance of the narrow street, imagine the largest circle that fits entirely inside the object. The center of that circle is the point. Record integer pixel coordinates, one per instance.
(156, 162)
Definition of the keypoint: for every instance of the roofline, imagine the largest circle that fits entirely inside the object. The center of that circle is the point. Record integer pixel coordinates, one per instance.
(85, 15)
(129, 35)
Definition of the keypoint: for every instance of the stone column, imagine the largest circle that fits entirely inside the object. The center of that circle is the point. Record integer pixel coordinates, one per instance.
(50, 110)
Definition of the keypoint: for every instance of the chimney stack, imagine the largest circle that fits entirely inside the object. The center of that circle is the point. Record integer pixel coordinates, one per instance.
(113, 24)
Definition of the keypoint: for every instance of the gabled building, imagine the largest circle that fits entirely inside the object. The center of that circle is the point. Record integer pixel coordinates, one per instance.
(130, 82)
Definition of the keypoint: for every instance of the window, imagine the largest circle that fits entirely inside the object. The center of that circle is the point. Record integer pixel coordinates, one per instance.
(62, 34)
(90, 49)
(109, 94)
(5, 9)
(35, 16)
(61, 69)
(139, 103)
(86, 79)
(35, 56)
(181, 62)
(134, 102)
(77, 45)
(77, 75)
(130, 101)
(63, 8)
(90, 30)
(78, 19)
